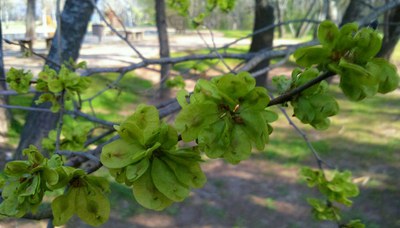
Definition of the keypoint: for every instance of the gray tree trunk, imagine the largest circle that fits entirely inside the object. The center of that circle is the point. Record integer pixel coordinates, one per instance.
(354, 11)
(392, 33)
(74, 21)
(264, 16)
(4, 113)
(161, 22)
(30, 19)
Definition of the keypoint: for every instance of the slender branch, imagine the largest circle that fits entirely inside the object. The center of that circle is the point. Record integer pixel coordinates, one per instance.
(33, 52)
(69, 154)
(291, 93)
(99, 137)
(214, 48)
(317, 157)
(60, 120)
(116, 32)
(13, 93)
(25, 108)
(269, 27)
(378, 11)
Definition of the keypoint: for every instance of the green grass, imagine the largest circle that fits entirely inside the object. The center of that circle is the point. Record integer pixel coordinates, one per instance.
(112, 104)
(205, 65)
(235, 33)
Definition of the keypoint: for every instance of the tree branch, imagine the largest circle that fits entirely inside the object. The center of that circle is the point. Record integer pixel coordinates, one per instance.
(291, 93)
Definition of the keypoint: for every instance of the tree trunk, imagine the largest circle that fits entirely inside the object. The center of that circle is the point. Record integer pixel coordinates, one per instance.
(392, 33)
(74, 21)
(354, 11)
(30, 19)
(264, 16)
(4, 114)
(279, 17)
(161, 22)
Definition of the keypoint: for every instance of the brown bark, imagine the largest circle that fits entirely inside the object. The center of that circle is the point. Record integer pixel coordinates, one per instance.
(264, 16)
(161, 22)
(354, 11)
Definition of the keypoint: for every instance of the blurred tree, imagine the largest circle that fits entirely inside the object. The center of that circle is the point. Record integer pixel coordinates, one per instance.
(4, 113)
(74, 21)
(30, 19)
(161, 21)
(391, 33)
(264, 16)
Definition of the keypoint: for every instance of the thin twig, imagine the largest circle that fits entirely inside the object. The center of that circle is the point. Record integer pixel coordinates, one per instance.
(60, 120)
(125, 39)
(33, 52)
(318, 158)
(291, 93)
(81, 154)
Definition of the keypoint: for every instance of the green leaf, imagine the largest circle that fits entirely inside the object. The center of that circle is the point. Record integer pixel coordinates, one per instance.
(368, 44)
(327, 33)
(120, 153)
(92, 206)
(63, 207)
(346, 39)
(181, 97)
(240, 147)
(33, 154)
(356, 82)
(308, 56)
(168, 137)
(189, 174)
(146, 117)
(32, 187)
(19, 80)
(147, 195)
(354, 224)
(55, 85)
(215, 138)
(193, 118)
(385, 72)
(236, 86)
(17, 168)
(50, 176)
(136, 170)
(166, 182)
(282, 83)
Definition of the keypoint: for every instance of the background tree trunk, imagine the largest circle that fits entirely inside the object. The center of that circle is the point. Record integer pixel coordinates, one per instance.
(391, 34)
(30, 19)
(74, 21)
(4, 113)
(264, 16)
(161, 22)
(354, 11)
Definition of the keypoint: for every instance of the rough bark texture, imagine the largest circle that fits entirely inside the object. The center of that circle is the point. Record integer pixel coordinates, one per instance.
(354, 11)
(4, 114)
(392, 33)
(30, 19)
(74, 21)
(161, 22)
(264, 16)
